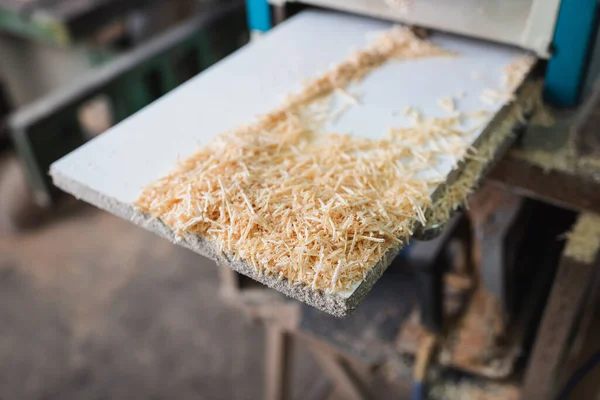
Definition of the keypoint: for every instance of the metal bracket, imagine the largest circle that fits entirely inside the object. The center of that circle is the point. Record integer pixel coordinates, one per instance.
(428, 261)
(495, 216)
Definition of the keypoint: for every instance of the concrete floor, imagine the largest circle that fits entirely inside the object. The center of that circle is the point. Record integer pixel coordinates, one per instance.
(92, 307)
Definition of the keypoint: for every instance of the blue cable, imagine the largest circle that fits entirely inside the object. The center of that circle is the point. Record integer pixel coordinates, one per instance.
(418, 390)
(578, 376)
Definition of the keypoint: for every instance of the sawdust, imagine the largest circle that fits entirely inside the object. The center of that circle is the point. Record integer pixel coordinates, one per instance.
(476, 344)
(557, 160)
(511, 79)
(453, 195)
(312, 208)
(464, 390)
(584, 239)
(589, 163)
(562, 159)
(566, 158)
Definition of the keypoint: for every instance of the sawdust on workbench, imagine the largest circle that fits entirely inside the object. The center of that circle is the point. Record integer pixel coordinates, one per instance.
(584, 239)
(565, 159)
(313, 208)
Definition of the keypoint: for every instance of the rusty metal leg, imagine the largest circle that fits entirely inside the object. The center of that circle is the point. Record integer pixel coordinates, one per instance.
(494, 214)
(574, 273)
(428, 260)
(343, 377)
(430, 288)
(278, 363)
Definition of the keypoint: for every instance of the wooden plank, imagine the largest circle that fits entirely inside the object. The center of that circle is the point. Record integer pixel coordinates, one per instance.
(278, 363)
(229, 282)
(570, 284)
(563, 188)
(341, 374)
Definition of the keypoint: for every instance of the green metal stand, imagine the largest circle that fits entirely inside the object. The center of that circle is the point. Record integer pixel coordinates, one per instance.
(50, 128)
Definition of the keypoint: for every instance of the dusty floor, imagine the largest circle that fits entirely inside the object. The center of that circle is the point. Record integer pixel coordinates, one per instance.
(92, 307)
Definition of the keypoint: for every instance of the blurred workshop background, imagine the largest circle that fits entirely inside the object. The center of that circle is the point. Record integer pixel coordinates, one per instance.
(93, 307)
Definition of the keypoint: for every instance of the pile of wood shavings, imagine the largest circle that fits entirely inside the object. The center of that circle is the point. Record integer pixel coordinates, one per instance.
(584, 239)
(316, 209)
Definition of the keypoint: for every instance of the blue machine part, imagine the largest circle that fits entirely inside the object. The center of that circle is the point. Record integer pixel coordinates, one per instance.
(404, 251)
(259, 15)
(572, 38)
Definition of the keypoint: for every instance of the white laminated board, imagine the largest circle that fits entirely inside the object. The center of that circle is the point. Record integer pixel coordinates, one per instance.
(111, 170)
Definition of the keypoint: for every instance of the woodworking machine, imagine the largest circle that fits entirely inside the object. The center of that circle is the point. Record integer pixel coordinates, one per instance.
(110, 171)
(560, 31)
(509, 230)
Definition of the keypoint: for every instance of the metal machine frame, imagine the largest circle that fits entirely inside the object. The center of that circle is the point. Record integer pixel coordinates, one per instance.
(561, 31)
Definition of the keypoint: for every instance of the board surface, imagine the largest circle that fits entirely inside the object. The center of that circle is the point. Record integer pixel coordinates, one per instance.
(111, 170)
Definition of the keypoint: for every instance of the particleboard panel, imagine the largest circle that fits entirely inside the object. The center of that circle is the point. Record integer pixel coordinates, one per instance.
(111, 170)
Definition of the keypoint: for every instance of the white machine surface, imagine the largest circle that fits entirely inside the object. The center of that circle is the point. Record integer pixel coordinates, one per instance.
(525, 23)
(111, 170)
